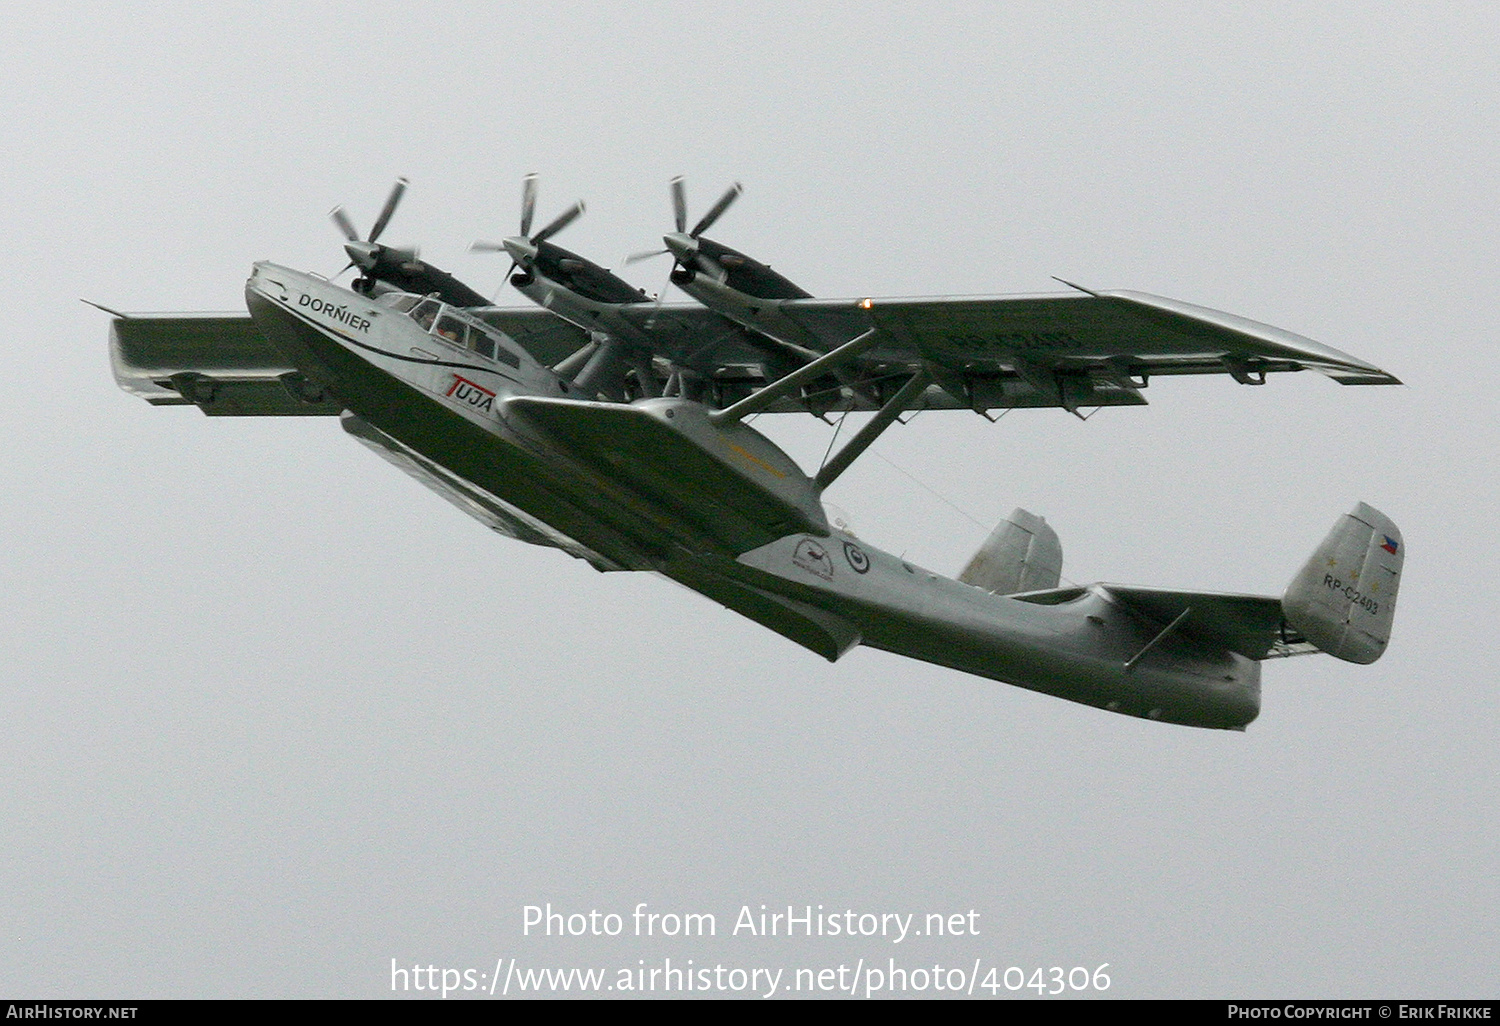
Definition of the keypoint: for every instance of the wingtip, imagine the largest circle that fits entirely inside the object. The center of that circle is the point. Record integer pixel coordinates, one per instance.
(1359, 376)
(101, 306)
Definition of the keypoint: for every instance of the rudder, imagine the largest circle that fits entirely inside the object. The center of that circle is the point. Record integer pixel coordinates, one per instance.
(1022, 554)
(1344, 599)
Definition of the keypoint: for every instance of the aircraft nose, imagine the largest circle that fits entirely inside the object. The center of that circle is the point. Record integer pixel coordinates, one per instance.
(520, 249)
(364, 254)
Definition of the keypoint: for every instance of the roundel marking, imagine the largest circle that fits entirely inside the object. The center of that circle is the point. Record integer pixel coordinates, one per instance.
(858, 561)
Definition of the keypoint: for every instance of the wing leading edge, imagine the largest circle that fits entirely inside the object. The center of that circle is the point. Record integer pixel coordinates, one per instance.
(990, 352)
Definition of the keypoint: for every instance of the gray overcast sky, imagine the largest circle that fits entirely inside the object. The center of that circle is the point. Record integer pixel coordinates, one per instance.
(273, 716)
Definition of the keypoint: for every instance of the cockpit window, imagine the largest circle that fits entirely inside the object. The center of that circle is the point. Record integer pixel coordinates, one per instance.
(456, 329)
(398, 301)
(425, 312)
(451, 329)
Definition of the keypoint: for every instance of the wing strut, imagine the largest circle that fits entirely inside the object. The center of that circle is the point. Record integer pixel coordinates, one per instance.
(757, 401)
(871, 431)
(600, 363)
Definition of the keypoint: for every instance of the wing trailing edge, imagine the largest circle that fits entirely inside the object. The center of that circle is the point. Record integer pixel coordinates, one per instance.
(1250, 342)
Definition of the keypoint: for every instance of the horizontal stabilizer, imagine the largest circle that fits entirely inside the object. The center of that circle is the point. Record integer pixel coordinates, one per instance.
(1251, 625)
(1022, 554)
(1344, 600)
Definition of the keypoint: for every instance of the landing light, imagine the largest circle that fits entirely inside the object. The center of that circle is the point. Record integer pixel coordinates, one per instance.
(865, 303)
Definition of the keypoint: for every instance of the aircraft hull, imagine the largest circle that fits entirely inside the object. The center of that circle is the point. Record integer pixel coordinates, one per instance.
(777, 563)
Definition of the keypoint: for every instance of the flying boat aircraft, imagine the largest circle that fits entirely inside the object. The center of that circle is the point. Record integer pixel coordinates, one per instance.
(614, 427)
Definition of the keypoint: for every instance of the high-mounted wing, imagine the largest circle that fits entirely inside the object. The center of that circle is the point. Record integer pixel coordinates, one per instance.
(1109, 335)
(223, 364)
(982, 353)
(1072, 351)
(220, 362)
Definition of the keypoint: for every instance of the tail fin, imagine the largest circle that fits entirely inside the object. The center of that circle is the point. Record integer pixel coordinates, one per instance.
(1344, 600)
(1022, 554)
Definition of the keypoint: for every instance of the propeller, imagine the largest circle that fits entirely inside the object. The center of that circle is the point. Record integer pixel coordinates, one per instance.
(683, 244)
(365, 253)
(523, 247)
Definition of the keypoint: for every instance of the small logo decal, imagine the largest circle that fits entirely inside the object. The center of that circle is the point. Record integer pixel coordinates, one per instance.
(858, 561)
(1389, 544)
(813, 558)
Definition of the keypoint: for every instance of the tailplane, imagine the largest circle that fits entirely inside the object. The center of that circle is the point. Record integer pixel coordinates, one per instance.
(1344, 600)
